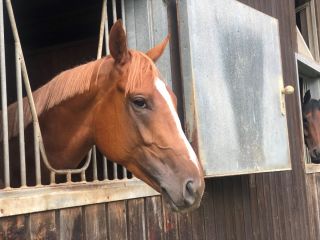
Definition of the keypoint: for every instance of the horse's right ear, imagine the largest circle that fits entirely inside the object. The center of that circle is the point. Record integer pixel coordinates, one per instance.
(307, 97)
(118, 43)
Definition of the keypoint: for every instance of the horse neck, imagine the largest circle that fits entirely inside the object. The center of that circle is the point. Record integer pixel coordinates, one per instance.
(67, 131)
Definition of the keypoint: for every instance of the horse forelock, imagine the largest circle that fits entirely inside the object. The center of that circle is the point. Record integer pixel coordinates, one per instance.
(140, 65)
(64, 86)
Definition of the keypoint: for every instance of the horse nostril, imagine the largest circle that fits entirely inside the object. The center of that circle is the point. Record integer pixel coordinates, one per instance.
(189, 193)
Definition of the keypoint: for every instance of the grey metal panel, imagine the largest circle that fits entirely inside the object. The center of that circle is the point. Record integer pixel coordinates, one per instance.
(146, 26)
(232, 77)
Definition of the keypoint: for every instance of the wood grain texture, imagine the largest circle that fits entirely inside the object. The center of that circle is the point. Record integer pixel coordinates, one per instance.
(95, 222)
(136, 219)
(117, 221)
(154, 219)
(43, 226)
(70, 224)
(13, 228)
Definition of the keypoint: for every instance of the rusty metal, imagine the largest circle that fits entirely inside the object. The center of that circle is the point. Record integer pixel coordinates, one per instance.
(70, 195)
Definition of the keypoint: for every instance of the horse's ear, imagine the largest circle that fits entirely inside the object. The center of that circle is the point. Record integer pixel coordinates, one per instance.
(157, 51)
(307, 97)
(118, 43)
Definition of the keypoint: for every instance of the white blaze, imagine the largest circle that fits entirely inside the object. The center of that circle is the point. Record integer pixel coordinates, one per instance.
(161, 87)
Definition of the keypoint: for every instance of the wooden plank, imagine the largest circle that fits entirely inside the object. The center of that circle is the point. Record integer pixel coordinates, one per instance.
(263, 224)
(70, 222)
(246, 207)
(238, 208)
(117, 222)
(198, 224)
(313, 207)
(185, 226)
(136, 219)
(13, 228)
(170, 222)
(218, 205)
(43, 225)
(95, 221)
(268, 205)
(254, 207)
(154, 220)
(275, 206)
(208, 211)
(227, 185)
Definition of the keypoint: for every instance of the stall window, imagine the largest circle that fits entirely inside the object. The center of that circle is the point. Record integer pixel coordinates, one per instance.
(55, 36)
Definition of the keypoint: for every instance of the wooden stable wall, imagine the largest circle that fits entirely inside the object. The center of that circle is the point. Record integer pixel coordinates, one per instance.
(281, 205)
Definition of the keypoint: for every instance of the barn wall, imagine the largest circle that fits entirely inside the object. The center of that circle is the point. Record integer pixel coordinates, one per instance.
(262, 206)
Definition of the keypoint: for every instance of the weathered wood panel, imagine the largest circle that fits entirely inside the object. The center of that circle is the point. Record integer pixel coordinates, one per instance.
(70, 224)
(43, 225)
(136, 219)
(117, 221)
(154, 220)
(13, 228)
(95, 221)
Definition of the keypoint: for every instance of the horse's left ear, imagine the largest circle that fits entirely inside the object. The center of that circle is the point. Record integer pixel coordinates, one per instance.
(307, 97)
(118, 43)
(156, 52)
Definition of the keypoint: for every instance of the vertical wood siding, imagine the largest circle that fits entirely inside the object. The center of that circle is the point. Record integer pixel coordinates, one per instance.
(281, 205)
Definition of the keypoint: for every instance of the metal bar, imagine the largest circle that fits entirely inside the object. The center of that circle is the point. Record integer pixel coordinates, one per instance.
(123, 14)
(69, 180)
(106, 33)
(37, 132)
(21, 119)
(83, 176)
(102, 26)
(115, 171)
(4, 102)
(123, 17)
(94, 163)
(52, 178)
(105, 168)
(114, 11)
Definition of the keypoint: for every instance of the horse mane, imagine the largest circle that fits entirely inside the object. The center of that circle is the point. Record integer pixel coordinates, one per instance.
(74, 82)
(64, 86)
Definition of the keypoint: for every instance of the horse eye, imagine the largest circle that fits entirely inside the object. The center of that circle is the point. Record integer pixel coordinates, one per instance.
(140, 102)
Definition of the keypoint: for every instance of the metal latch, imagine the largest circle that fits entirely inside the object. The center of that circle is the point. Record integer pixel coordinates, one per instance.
(288, 90)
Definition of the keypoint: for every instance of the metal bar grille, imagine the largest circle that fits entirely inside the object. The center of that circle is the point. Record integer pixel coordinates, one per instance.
(108, 174)
(98, 178)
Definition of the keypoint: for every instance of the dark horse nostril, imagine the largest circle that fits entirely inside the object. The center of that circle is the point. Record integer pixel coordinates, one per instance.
(190, 193)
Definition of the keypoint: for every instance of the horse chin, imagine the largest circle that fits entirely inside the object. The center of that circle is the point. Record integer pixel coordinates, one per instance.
(175, 207)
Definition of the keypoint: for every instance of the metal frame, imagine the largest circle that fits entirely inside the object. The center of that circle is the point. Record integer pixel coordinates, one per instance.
(309, 7)
(310, 69)
(21, 201)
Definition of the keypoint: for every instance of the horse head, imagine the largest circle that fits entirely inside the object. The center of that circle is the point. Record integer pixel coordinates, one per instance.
(311, 126)
(137, 125)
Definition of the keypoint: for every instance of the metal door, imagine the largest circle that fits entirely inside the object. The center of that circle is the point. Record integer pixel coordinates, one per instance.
(232, 77)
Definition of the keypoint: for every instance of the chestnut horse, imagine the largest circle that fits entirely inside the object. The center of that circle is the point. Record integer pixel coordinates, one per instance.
(121, 105)
(311, 126)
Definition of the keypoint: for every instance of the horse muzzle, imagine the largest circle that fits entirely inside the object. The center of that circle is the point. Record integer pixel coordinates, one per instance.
(187, 198)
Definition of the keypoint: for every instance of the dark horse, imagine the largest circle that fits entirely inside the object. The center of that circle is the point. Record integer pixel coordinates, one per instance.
(120, 104)
(311, 126)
